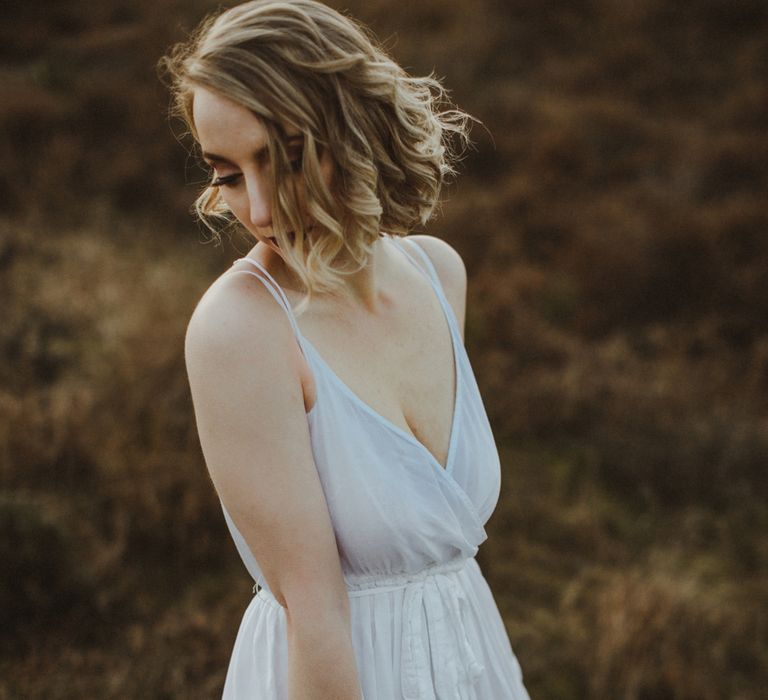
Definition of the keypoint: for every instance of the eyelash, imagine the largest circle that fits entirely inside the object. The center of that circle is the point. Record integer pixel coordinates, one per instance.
(225, 180)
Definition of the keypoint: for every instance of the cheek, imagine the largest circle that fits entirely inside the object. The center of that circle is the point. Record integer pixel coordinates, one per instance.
(235, 204)
(231, 200)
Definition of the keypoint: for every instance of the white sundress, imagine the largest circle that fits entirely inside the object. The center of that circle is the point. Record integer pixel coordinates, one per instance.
(425, 625)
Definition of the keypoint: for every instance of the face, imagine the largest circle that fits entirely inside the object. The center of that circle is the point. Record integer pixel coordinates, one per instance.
(234, 144)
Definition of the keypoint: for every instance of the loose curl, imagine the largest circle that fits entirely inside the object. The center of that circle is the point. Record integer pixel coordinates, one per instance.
(393, 138)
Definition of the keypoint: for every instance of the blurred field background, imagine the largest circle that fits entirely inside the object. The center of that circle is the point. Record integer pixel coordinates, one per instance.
(614, 231)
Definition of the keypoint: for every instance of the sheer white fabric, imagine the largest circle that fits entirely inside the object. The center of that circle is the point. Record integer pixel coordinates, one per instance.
(425, 625)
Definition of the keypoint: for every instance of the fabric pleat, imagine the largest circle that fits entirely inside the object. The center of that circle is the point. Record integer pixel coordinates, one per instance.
(441, 635)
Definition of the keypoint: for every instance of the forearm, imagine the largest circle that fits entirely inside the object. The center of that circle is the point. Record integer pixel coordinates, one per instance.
(321, 659)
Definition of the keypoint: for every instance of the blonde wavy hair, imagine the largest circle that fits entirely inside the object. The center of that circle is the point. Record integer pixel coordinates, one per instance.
(393, 139)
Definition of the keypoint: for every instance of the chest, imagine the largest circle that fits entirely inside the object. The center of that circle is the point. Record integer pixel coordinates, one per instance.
(403, 370)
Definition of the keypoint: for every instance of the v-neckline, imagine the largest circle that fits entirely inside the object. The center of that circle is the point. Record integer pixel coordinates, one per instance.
(353, 396)
(302, 339)
(386, 421)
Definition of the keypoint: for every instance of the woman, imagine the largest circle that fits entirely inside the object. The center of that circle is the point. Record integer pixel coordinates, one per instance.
(351, 452)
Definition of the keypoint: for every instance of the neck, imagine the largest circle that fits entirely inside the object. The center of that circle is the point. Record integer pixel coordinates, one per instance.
(365, 286)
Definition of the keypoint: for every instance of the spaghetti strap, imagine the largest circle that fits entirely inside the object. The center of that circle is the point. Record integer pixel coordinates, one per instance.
(274, 289)
(425, 258)
(431, 274)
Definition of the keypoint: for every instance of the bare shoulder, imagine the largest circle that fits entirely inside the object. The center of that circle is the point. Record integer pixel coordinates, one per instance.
(450, 268)
(239, 336)
(254, 434)
(236, 317)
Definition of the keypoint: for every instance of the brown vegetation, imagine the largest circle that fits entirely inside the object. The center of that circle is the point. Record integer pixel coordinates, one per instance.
(613, 224)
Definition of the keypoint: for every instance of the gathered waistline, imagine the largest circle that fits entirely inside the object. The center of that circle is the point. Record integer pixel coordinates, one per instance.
(374, 584)
(369, 585)
(437, 658)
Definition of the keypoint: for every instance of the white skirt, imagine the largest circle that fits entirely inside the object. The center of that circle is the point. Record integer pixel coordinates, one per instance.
(433, 635)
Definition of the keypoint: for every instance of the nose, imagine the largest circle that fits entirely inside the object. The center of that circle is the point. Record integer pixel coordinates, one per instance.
(260, 202)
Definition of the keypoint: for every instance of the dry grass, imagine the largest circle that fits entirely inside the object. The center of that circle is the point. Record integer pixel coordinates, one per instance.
(614, 232)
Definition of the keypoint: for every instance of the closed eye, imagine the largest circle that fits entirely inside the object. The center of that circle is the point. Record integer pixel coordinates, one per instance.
(225, 180)
(295, 165)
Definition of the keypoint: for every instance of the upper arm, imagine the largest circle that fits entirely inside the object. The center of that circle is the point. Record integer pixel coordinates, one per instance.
(451, 271)
(252, 425)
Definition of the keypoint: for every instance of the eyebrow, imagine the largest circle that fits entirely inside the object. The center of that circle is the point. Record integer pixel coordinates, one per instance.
(258, 154)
